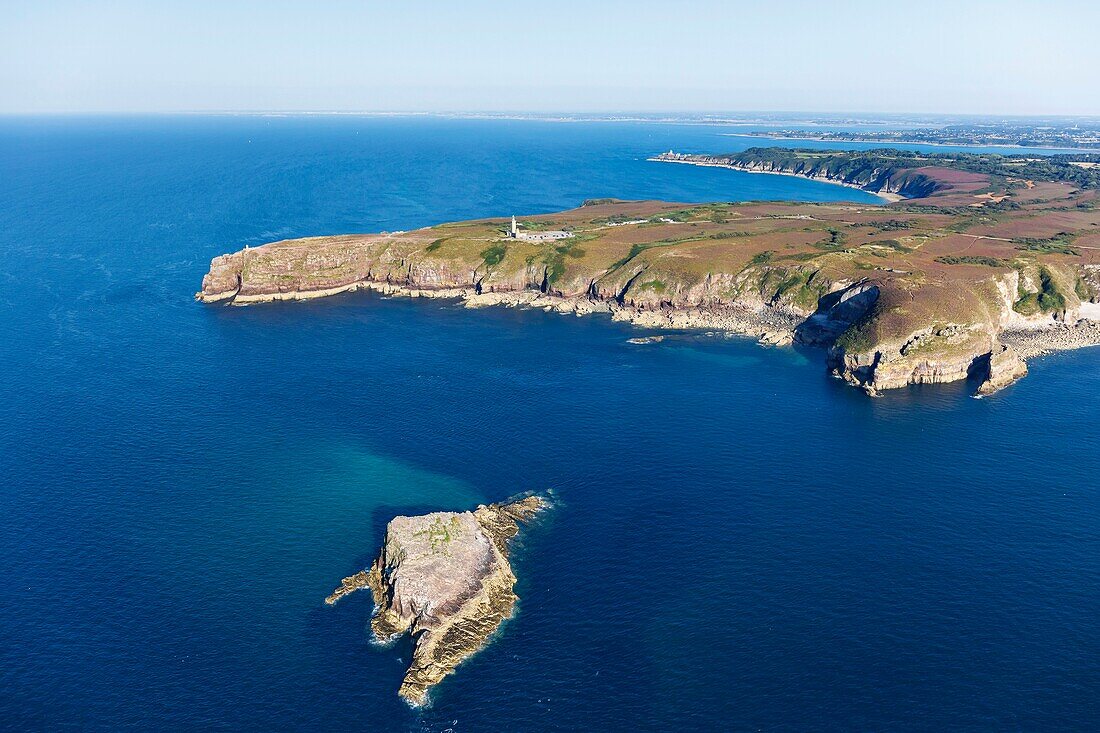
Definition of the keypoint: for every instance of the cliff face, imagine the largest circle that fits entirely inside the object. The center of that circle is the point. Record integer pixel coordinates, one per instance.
(318, 266)
(911, 183)
(906, 173)
(876, 177)
(918, 334)
(310, 268)
(1004, 367)
(899, 295)
(443, 577)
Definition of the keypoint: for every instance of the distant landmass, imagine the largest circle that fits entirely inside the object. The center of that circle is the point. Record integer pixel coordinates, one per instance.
(901, 174)
(980, 262)
(1004, 134)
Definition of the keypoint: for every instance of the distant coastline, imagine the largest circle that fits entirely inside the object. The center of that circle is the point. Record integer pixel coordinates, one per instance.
(886, 196)
(902, 141)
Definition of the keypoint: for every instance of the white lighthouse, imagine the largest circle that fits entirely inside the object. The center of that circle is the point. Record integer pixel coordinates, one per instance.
(535, 236)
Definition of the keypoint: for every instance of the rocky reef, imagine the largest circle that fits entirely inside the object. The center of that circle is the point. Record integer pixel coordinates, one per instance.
(443, 577)
(924, 290)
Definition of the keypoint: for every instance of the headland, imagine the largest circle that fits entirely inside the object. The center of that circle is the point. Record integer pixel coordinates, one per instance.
(983, 261)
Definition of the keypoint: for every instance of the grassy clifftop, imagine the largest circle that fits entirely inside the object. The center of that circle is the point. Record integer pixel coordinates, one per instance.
(914, 291)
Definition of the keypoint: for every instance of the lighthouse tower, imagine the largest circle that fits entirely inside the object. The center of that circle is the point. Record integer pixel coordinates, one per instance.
(514, 231)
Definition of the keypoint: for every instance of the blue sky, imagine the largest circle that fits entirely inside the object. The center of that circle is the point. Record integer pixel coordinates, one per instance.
(969, 56)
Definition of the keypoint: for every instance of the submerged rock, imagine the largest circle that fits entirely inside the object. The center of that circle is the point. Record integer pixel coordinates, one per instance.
(776, 338)
(443, 577)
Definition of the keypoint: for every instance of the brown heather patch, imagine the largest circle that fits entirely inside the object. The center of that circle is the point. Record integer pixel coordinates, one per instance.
(1043, 191)
(957, 179)
(960, 246)
(1039, 225)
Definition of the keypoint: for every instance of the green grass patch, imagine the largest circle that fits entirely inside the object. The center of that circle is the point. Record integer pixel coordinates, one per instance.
(892, 244)
(888, 225)
(708, 212)
(494, 255)
(796, 280)
(1047, 300)
(801, 257)
(973, 260)
(1084, 290)
(835, 241)
(555, 257)
(637, 249)
(797, 287)
(1055, 245)
(961, 225)
(614, 219)
(855, 340)
(440, 533)
(539, 225)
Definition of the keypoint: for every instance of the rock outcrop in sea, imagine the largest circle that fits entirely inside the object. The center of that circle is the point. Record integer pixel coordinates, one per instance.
(443, 577)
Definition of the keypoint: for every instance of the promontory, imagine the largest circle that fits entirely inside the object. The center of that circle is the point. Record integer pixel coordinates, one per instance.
(443, 577)
(983, 261)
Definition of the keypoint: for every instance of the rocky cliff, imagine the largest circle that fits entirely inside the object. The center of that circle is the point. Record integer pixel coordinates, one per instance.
(443, 577)
(878, 177)
(914, 292)
(901, 172)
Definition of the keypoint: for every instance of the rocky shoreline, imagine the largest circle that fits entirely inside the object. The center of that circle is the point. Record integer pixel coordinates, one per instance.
(770, 326)
(767, 325)
(712, 162)
(1033, 342)
(445, 579)
(896, 295)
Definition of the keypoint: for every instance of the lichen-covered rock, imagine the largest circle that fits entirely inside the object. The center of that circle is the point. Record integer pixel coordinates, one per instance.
(444, 577)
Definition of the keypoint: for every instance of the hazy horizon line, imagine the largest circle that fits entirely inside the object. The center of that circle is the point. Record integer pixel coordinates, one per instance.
(686, 114)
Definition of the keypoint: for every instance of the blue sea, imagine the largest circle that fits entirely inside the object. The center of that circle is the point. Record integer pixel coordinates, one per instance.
(738, 541)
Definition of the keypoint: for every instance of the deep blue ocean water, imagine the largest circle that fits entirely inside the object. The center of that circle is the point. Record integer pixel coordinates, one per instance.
(739, 542)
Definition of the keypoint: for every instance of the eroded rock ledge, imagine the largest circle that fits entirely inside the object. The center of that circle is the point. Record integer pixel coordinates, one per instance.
(443, 577)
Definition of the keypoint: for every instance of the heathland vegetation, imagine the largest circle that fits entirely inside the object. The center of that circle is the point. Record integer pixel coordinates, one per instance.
(919, 290)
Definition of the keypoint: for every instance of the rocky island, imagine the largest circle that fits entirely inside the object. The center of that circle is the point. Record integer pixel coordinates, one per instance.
(443, 577)
(983, 261)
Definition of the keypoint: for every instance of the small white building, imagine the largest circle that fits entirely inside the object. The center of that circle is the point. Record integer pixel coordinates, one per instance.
(545, 236)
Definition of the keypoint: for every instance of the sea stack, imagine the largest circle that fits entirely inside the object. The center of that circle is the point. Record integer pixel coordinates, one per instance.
(1005, 367)
(443, 577)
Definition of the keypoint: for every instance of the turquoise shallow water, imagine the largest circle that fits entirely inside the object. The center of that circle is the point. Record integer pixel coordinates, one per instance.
(739, 542)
